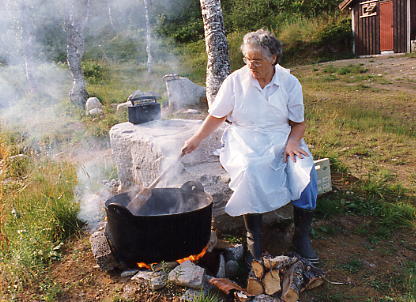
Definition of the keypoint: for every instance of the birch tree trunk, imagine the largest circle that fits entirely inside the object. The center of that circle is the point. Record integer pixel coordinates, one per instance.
(110, 15)
(218, 66)
(148, 37)
(21, 13)
(74, 25)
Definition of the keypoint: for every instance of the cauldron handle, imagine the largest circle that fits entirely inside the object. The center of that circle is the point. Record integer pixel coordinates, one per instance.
(192, 187)
(118, 209)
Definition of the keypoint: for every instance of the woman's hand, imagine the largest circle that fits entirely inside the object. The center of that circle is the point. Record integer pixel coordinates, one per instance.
(190, 145)
(292, 150)
(208, 126)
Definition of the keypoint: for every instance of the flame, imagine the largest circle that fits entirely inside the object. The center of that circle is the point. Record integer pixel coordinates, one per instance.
(192, 258)
(145, 265)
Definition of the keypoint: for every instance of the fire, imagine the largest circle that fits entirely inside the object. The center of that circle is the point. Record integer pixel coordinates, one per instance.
(192, 258)
(145, 265)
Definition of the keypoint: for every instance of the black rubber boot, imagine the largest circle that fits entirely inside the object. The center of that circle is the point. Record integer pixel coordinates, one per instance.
(301, 238)
(253, 223)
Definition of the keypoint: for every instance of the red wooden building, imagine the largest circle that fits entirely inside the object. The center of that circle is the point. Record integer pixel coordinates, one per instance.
(382, 26)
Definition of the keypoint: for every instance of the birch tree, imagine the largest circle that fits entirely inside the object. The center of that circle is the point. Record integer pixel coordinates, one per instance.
(19, 14)
(218, 66)
(110, 15)
(148, 37)
(77, 15)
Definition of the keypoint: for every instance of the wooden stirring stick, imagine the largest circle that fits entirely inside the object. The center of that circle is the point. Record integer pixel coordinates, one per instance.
(143, 196)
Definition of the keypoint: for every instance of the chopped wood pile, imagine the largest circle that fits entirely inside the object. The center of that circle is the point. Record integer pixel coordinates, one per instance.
(282, 278)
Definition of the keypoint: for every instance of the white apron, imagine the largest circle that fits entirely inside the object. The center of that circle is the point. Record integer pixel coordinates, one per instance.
(253, 155)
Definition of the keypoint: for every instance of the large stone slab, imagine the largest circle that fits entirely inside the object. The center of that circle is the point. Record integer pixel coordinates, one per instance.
(142, 151)
(182, 92)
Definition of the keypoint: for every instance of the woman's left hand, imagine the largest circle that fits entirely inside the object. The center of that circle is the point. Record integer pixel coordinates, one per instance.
(293, 149)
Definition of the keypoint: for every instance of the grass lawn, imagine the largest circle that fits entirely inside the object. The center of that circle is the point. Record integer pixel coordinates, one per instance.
(360, 113)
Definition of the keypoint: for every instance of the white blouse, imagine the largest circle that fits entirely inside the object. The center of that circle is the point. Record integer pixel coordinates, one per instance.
(254, 143)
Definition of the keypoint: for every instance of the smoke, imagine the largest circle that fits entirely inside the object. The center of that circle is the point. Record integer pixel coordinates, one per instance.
(35, 83)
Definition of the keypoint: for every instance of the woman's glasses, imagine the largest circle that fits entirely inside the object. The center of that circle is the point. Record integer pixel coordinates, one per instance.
(254, 63)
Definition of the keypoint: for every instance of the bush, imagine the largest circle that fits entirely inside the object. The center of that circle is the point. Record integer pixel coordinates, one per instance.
(94, 72)
(309, 40)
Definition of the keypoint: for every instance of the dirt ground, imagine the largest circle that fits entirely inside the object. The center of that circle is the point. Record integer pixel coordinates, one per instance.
(377, 265)
(368, 269)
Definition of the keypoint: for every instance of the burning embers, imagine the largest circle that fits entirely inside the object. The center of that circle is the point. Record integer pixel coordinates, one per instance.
(193, 258)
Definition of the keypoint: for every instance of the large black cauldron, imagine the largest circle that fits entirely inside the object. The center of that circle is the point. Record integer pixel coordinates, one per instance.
(173, 224)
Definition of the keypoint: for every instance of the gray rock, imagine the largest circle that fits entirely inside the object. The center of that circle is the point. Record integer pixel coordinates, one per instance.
(221, 267)
(206, 285)
(102, 252)
(265, 298)
(188, 274)
(129, 273)
(93, 103)
(155, 280)
(95, 111)
(231, 268)
(234, 253)
(124, 105)
(182, 92)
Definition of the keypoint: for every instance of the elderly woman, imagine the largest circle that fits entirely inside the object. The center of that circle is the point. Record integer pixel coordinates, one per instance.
(264, 152)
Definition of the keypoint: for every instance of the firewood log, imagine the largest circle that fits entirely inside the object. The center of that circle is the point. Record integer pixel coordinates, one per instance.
(271, 282)
(254, 285)
(278, 262)
(314, 277)
(293, 282)
(258, 269)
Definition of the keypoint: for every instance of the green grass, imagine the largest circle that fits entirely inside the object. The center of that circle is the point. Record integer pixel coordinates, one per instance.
(401, 282)
(391, 207)
(210, 297)
(37, 215)
(358, 133)
(353, 266)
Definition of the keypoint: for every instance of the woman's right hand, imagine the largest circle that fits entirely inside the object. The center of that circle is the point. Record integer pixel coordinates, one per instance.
(190, 145)
(208, 126)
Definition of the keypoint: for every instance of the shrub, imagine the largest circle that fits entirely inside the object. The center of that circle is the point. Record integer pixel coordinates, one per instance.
(308, 40)
(95, 72)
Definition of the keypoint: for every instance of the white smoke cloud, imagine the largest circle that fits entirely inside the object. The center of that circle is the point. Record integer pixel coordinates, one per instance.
(34, 89)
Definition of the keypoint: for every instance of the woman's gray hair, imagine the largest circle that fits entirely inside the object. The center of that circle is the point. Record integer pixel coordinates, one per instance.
(264, 40)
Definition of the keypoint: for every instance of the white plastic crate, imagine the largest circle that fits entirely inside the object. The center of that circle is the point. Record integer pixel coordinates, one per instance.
(323, 169)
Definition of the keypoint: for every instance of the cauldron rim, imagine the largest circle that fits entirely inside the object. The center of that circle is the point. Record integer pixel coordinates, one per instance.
(163, 215)
(208, 203)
